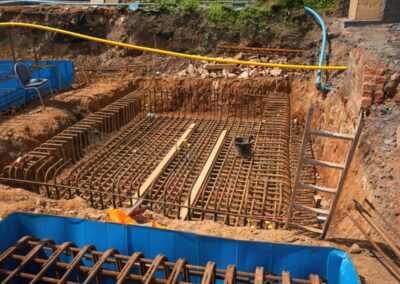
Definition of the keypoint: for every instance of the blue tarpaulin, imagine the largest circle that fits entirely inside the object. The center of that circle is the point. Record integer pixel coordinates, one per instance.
(332, 265)
(60, 74)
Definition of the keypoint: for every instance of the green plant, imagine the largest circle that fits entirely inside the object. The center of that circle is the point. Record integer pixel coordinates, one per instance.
(166, 5)
(261, 2)
(189, 6)
(319, 5)
(217, 13)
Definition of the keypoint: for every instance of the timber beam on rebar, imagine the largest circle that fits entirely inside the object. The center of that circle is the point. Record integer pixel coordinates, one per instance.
(165, 161)
(203, 175)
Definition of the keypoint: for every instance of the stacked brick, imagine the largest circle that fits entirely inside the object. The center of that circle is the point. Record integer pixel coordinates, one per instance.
(374, 78)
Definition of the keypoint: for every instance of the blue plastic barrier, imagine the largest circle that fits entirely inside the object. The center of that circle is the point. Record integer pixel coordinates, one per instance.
(60, 74)
(330, 264)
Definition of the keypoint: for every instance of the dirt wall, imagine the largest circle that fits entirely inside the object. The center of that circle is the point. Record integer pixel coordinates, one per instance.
(373, 173)
(161, 29)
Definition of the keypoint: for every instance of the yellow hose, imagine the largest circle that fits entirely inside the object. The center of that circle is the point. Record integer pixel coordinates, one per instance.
(171, 53)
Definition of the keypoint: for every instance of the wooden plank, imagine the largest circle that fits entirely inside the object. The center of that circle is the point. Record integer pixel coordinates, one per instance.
(203, 175)
(314, 279)
(209, 273)
(391, 266)
(259, 276)
(299, 165)
(165, 161)
(307, 228)
(343, 175)
(230, 274)
(329, 134)
(285, 277)
(323, 163)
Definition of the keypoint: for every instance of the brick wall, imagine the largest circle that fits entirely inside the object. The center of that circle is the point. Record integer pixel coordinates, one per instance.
(366, 78)
(391, 12)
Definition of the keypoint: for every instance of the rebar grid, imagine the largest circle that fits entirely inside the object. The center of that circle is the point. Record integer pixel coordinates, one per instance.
(259, 186)
(45, 262)
(45, 162)
(114, 151)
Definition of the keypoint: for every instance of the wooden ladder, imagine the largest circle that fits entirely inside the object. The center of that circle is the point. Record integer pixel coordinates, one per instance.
(344, 168)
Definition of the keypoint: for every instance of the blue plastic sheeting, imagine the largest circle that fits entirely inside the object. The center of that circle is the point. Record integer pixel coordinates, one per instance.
(60, 74)
(330, 264)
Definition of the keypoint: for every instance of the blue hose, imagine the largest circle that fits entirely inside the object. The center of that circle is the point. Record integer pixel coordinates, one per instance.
(318, 84)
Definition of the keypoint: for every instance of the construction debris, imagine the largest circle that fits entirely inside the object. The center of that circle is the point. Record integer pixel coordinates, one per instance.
(373, 223)
(218, 70)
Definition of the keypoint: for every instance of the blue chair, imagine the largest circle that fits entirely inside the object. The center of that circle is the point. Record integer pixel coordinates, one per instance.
(29, 83)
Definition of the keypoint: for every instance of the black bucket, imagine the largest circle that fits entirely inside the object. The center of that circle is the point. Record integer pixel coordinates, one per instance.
(243, 145)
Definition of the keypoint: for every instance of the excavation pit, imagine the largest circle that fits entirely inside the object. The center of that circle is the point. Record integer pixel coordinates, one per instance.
(175, 149)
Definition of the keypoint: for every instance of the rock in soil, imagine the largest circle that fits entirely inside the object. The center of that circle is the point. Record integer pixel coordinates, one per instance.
(355, 249)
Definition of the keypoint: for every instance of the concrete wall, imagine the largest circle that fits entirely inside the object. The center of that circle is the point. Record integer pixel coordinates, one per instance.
(366, 9)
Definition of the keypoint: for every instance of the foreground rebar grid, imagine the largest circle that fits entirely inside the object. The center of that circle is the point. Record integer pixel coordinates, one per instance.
(42, 261)
(156, 144)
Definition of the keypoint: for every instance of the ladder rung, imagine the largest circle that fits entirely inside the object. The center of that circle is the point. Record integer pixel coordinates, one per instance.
(317, 188)
(311, 229)
(312, 209)
(323, 163)
(332, 134)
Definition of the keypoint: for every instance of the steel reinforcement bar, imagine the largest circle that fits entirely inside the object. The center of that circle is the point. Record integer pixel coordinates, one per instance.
(122, 165)
(259, 50)
(232, 189)
(42, 261)
(257, 186)
(45, 162)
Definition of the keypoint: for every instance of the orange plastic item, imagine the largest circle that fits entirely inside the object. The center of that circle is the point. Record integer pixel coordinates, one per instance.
(119, 216)
(154, 224)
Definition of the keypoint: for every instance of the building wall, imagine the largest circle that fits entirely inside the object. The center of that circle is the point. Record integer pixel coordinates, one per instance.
(366, 9)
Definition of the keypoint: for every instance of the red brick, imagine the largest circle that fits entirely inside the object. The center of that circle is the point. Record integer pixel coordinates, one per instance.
(379, 87)
(368, 78)
(366, 102)
(368, 86)
(369, 71)
(379, 94)
(366, 94)
(380, 72)
(378, 97)
(380, 80)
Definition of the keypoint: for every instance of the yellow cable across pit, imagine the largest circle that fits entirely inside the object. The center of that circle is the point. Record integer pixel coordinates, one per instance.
(171, 53)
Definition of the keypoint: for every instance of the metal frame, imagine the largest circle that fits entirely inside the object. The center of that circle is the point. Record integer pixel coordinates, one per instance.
(87, 264)
(37, 89)
(295, 203)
